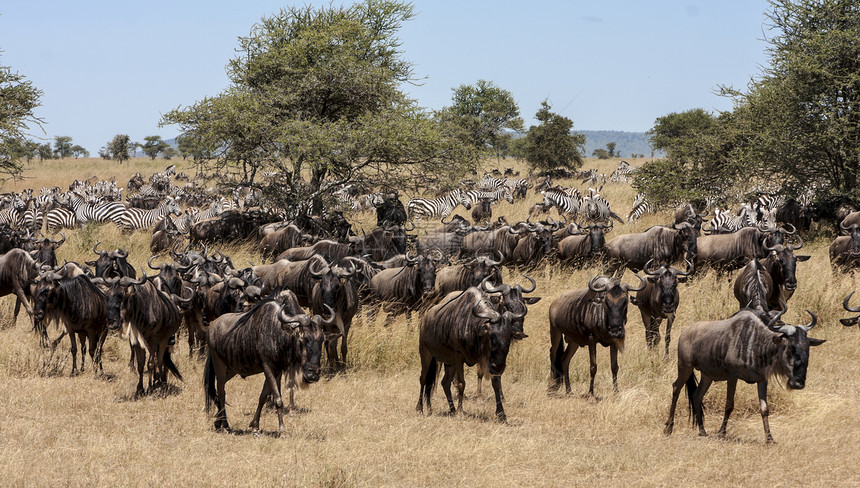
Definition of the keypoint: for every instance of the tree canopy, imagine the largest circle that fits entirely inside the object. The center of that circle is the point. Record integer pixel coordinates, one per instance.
(19, 100)
(794, 128)
(551, 144)
(315, 97)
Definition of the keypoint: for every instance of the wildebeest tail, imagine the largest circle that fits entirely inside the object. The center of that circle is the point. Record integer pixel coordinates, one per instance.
(170, 365)
(209, 382)
(430, 379)
(691, 385)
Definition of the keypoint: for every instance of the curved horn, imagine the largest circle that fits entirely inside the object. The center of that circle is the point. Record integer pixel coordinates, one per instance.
(407, 228)
(332, 316)
(811, 324)
(490, 262)
(845, 304)
(593, 288)
(411, 260)
(300, 319)
(642, 283)
(60, 242)
(765, 246)
(493, 316)
(186, 300)
(96, 249)
(149, 263)
(647, 267)
(533, 282)
(776, 317)
(122, 253)
(691, 268)
(792, 231)
(792, 247)
(313, 271)
(485, 284)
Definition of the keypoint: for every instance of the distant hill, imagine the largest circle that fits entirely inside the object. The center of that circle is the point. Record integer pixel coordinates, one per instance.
(626, 143)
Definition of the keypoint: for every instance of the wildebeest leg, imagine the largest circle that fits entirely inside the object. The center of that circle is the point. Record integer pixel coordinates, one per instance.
(592, 358)
(446, 387)
(74, 350)
(275, 388)
(264, 395)
(427, 379)
(648, 322)
(139, 354)
(565, 365)
(460, 384)
(556, 351)
(496, 381)
(613, 364)
(698, 408)
(684, 375)
(670, 319)
(83, 339)
(762, 400)
(22, 299)
(730, 404)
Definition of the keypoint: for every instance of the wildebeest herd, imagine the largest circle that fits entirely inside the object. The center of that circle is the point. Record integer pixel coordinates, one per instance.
(282, 317)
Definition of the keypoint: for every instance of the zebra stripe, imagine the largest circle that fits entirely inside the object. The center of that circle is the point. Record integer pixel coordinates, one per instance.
(60, 218)
(558, 198)
(437, 207)
(476, 196)
(137, 218)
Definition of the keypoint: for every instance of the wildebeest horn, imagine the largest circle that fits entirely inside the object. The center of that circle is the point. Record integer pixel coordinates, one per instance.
(439, 253)
(186, 300)
(776, 317)
(149, 263)
(411, 260)
(592, 287)
(845, 304)
(128, 281)
(793, 229)
(234, 283)
(642, 283)
(122, 253)
(299, 320)
(96, 249)
(765, 246)
(707, 228)
(313, 271)
(490, 262)
(523, 290)
(174, 253)
(792, 247)
(502, 288)
(810, 324)
(448, 222)
(330, 319)
(61, 241)
(691, 268)
(493, 316)
(647, 267)
(513, 230)
(407, 227)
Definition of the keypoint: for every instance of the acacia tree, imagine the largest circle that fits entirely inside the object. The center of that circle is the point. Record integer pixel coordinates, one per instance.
(485, 116)
(120, 147)
(63, 146)
(552, 144)
(18, 101)
(315, 93)
(153, 145)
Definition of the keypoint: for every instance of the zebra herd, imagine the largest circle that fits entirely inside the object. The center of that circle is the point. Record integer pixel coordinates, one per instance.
(489, 188)
(96, 201)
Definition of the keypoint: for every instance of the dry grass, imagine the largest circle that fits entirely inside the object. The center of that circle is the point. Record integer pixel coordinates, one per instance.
(360, 428)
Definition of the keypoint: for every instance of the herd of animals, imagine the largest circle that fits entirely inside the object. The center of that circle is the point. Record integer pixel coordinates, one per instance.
(281, 318)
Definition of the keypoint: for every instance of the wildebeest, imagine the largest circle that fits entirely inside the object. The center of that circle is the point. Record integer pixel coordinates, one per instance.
(659, 300)
(80, 306)
(733, 251)
(17, 270)
(663, 245)
(574, 249)
(282, 239)
(330, 250)
(796, 214)
(588, 316)
(274, 337)
(853, 320)
(687, 213)
(781, 265)
(482, 211)
(152, 318)
(403, 288)
(845, 250)
(753, 286)
(464, 275)
(335, 290)
(46, 250)
(464, 329)
(740, 347)
(501, 241)
(112, 264)
(390, 211)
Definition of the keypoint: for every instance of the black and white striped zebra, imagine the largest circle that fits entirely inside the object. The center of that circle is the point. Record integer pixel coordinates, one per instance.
(489, 182)
(437, 207)
(641, 206)
(137, 218)
(494, 196)
(60, 218)
(595, 208)
(727, 222)
(14, 213)
(562, 201)
(518, 187)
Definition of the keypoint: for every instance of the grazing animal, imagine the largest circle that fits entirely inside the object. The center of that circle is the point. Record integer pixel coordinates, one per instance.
(659, 300)
(740, 347)
(274, 338)
(464, 329)
(588, 316)
(663, 245)
(437, 207)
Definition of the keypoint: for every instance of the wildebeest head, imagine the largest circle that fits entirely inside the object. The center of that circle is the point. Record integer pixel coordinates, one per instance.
(853, 320)
(612, 294)
(781, 263)
(596, 236)
(45, 252)
(483, 267)
(425, 275)
(45, 292)
(111, 264)
(854, 244)
(498, 331)
(796, 343)
(687, 238)
(329, 277)
(119, 289)
(666, 279)
(511, 300)
(309, 333)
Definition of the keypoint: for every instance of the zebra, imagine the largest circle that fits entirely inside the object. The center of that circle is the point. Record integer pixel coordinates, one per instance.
(641, 206)
(494, 196)
(561, 200)
(214, 210)
(437, 207)
(13, 214)
(95, 212)
(489, 182)
(518, 187)
(137, 218)
(60, 218)
(622, 173)
(724, 222)
(596, 208)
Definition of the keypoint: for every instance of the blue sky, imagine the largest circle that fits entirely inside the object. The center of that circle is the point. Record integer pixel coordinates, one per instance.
(109, 67)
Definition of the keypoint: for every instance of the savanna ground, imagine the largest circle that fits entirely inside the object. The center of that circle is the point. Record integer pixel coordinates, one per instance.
(360, 428)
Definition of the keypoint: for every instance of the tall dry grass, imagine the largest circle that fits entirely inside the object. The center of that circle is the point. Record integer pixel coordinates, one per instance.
(360, 428)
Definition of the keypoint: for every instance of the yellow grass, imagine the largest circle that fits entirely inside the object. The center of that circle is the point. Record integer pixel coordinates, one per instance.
(360, 428)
